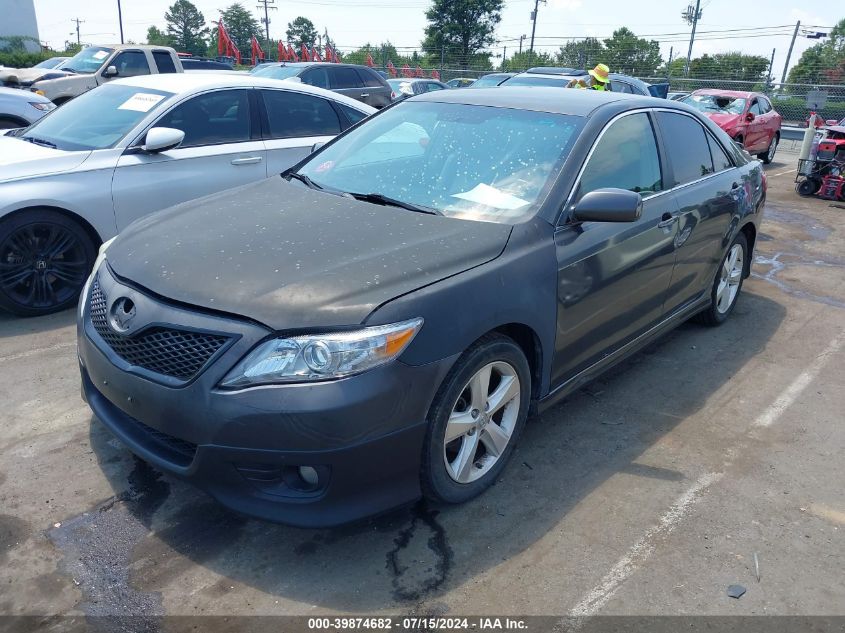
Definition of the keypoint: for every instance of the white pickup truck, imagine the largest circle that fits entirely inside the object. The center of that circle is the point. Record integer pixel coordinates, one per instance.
(92, 67)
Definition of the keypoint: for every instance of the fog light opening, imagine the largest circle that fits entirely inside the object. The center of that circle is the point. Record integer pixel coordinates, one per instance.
(309, 475)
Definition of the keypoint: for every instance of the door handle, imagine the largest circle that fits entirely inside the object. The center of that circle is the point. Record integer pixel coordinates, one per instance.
(247, 160)
(667, 220)
(365, 94)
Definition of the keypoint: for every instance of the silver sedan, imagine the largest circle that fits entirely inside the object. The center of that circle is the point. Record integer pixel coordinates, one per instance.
(76, 178)
(19, 108)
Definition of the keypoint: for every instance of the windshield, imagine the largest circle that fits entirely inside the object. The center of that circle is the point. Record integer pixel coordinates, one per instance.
(465, 161)
(528, 80)
(278, 72)
(716, 104)
(53, 62)
(488, 80)
(97, 119)
(87, 60)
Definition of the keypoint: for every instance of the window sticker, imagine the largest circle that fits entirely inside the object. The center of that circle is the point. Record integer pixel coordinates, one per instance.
(141, 102)
(492, 197)
(100, 54)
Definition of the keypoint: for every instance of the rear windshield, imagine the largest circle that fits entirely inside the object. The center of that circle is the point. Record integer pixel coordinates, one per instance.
(528, 80)
(278, 72)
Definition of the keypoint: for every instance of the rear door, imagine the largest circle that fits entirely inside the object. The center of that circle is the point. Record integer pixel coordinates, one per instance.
(376, 89)
(706, 186)
(346, 81)
(613, 277)
(294, 122)
(222, 149)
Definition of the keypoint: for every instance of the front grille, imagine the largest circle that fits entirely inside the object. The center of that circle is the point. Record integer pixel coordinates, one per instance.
(167, 351)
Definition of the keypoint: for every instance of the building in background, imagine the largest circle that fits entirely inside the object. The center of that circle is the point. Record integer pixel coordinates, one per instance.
(18, 20)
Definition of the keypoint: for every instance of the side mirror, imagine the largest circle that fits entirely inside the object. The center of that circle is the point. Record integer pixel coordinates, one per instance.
(749, 117)
(317, 146)
(111, 71)
(609, 205)
(161, 139)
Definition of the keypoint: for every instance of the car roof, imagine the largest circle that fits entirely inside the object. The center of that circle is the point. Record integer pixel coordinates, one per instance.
(542, 99)
(739, 94)
(191, 82)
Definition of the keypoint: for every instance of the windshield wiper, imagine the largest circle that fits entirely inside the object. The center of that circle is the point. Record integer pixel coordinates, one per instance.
(380, 198)
(303, 179)
(40, 141)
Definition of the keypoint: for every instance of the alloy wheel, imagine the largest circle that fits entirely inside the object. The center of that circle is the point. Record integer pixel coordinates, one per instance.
(730, 279)
(41, 265)
(482, 422)
(773, 146)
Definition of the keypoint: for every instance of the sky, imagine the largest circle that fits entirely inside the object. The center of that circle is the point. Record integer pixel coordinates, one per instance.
(352, 23)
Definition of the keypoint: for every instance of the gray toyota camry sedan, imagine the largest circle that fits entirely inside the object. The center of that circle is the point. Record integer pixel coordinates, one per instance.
(377, 323)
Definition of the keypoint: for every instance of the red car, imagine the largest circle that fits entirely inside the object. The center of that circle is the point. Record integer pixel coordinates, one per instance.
(747, 117)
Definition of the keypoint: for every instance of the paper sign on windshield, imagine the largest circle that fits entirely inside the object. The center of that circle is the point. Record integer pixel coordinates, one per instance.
(492, 197)
(141, 102)
(100, 54)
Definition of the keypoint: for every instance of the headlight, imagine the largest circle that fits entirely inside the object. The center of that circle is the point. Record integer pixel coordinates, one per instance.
(322, 356)
(44, 107)
(101, 256)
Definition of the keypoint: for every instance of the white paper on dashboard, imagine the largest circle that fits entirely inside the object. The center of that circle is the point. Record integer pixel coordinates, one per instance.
(492, 197)
(100, 54)
(141, 102)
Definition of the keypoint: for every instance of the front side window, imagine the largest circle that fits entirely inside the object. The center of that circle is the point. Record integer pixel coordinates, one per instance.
(344, 77)
(433, 87)
(164, 62)
(211, 119)
(755, 108)
(131, 64)
(317, 77)
(97, 119)
(686, 146)
(370, 78)
(621, 86)
(471, 162)
(624, 158)
(293, 115)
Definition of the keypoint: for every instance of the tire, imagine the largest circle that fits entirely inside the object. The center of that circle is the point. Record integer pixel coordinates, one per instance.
(769, 155)
(464, 467)
(45, 258)
(732, 273)
(807, 187)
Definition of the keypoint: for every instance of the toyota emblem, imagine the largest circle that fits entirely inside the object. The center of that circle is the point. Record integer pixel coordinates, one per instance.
(121, 314)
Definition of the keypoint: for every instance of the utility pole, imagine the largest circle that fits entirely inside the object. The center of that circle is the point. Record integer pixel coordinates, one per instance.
(504, 58)
(78, 21)
(669, 63)
(120, 20)
(521, 37)
(771, 67)
(789, 52)
(266, 4)
(692, 16)
(534, 24)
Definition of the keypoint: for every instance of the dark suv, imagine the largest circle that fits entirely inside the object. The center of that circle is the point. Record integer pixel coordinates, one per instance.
(359, 82)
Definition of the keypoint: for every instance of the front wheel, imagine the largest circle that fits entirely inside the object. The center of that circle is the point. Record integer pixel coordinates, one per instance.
(475, 420)
(45, 258)
(727, 284)
(808, 187)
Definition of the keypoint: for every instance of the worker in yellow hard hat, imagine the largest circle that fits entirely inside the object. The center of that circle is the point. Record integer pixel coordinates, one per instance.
(599, 79)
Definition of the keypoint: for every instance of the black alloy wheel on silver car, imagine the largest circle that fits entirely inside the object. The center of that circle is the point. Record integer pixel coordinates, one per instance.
(769, 155)
(475, 420)
(45, 258)
(727, 284)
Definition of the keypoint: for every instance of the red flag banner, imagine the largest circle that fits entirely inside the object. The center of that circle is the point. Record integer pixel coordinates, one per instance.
(329, 53)
(315, 55)
(222, 36)
(283, 53)
(370, 61)
(435, 75)
(391, 68)
(304, 54)
(406, 71)
(292, 56)
(336, 57)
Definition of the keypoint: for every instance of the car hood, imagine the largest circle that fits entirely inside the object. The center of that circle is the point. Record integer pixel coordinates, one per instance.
(724, 121)
(29, 75)
(22, 159)
(290, 257)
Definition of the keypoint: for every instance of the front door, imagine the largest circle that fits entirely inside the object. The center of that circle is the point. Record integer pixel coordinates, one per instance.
(613, 277)
(220, 151)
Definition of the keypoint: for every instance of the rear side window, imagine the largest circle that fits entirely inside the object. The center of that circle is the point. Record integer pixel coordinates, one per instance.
(344, 77)
(369, 77)
(294, 115)
(687, 147)
(316, 77)
(621, 86)
(164, 62)
(213, 118)
(625, 158)
(352, 114)
(721, 162)
(131, 63)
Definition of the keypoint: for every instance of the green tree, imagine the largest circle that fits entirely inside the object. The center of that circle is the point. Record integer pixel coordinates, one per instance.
(241, 27)
(158, 37)
(463, 28)
(186, 27)
(732, 66)
(582, 54)
(301, 31)
(527, 59)
(823, 63)
(626, 53)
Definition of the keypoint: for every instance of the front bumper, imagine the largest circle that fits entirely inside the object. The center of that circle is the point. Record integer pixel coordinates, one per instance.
(361, 435)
